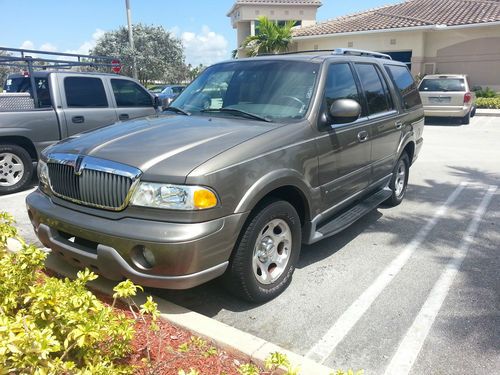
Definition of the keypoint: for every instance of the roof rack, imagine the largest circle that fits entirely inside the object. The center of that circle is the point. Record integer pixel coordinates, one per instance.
(360, 52)
(32, 60)
(337, 51)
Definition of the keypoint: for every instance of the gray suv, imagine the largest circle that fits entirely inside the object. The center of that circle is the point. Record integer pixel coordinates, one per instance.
(255, 158)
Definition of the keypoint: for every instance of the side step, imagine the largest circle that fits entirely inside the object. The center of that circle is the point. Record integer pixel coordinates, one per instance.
(341, 222)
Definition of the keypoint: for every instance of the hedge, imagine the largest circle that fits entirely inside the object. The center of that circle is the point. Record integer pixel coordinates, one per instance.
(490, 103)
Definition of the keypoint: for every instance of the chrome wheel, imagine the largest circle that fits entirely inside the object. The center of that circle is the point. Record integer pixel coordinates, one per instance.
(399, 184)
(272, 251)
(11, 169)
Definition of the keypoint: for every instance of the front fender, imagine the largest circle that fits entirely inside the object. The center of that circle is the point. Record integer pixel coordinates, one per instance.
(274, 180)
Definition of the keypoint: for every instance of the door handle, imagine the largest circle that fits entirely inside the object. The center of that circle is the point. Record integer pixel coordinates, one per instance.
(124, 116)
(399, 125)
(363, 136)
(78, 119)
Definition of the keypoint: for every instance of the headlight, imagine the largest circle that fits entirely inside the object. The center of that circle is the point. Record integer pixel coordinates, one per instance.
(173, 197)
(43, 174)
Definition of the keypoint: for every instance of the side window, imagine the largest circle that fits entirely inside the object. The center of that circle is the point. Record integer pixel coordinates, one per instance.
(130, 94)
(340, 84)
(85, 92)
(377, 95)
(407, 87)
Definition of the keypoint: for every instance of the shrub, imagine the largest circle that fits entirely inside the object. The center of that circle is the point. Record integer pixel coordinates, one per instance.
(51, 325)
(491, 103)
(485, 93)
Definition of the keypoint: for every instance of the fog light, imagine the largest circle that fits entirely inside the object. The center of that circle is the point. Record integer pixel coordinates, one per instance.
(143, 257)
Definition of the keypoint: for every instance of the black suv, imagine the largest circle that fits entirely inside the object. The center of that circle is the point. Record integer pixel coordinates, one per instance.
(255, 158)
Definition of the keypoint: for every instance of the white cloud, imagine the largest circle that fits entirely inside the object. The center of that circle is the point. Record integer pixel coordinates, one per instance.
(205, 47)
(27, 44)
(86, 46)
(48, 47)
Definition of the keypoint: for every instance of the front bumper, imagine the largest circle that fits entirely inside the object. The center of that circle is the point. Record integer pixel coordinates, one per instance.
(185, 255)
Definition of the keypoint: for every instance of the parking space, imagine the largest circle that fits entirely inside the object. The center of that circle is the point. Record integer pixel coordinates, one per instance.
(413, 289)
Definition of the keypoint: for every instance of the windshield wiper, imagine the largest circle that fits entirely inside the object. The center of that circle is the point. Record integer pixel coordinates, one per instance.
(236, 112)
(177, 110)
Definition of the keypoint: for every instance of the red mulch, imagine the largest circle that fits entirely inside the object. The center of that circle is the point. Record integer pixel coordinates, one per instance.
(166, 358)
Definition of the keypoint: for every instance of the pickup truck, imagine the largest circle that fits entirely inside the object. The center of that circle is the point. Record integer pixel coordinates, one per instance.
(253, 159)
(67, 103)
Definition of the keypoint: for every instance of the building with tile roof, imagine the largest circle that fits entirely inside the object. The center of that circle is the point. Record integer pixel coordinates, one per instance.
(244, 14)
(431, 36)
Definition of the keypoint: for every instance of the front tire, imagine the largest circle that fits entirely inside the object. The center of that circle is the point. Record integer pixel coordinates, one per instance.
(16, 168)
(265, 255)
(399, 181)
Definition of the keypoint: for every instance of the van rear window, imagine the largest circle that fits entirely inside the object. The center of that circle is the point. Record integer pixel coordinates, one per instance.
(442, 84)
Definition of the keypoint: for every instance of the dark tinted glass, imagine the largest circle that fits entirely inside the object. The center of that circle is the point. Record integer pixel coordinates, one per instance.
(340, 84)
(23, 84)
(443, 84)
(403, 80)
(378, 99)
(130, 94)
(85, 92)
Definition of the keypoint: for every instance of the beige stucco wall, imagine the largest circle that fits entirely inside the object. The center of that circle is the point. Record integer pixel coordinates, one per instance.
(474, 51)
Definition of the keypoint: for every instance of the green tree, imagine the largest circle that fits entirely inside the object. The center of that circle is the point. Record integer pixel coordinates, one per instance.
(159, 55)
(4, 71)
(271, 37)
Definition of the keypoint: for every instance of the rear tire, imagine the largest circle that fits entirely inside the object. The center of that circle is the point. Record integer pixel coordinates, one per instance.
(399, 181)
(16, 168)
(265, 255)
(466, 119)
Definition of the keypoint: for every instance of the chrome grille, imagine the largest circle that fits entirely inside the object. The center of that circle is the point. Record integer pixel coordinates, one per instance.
(94, 182)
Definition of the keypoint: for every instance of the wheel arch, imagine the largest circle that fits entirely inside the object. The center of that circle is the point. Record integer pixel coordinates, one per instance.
(22, 142)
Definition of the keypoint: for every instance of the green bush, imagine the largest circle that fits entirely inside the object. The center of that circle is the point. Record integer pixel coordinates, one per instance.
(50, 325)
(491, 103)
(486, 93)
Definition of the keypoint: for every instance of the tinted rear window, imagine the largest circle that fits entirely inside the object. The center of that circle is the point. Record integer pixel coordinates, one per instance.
(402, 79)
(442, 84)
(23, 84)
(85, 92)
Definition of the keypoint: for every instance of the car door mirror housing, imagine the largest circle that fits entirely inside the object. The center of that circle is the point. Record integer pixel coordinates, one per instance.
(344, 111)
(156, 102)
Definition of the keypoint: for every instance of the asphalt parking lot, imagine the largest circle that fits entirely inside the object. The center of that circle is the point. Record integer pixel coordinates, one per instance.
(413, 289)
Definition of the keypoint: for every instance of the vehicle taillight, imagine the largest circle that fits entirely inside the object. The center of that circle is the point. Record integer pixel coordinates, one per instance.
(467, 97)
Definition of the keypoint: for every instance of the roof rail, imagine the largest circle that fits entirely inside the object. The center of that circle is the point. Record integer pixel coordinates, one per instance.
(360, 52)
(336, 51)
(24, 58)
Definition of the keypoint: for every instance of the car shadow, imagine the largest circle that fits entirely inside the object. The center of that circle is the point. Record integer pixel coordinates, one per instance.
(442, 121)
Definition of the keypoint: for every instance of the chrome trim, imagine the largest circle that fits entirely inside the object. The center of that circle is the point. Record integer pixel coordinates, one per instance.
(81, 162)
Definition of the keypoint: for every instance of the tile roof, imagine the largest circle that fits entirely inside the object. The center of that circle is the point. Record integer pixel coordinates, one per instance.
(411, 13)
(274, 2)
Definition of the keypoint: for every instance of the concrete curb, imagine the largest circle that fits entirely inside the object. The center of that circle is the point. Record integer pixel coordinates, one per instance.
(488, 112)
(228, 338)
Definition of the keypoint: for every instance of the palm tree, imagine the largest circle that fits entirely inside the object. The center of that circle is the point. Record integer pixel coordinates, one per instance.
(271, 38)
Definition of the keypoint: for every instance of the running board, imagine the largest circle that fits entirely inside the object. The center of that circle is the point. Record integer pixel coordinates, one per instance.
(341, 222)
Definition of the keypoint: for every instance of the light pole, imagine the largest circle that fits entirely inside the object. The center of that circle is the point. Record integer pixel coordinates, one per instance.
(131, 38)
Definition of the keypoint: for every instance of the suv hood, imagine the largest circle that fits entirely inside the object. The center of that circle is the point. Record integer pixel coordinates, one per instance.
(165, 147)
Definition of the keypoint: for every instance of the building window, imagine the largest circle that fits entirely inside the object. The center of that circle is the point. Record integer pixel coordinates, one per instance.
(393, 41)
(350, 44)
(257, 12)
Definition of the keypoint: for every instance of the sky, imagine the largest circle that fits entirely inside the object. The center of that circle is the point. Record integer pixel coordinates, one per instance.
(75, 25)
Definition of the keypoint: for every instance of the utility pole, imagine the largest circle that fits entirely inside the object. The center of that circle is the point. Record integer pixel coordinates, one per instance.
(131, 38)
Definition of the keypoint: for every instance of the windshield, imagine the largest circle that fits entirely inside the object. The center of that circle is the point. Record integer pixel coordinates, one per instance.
(443, 84)
(275, 90)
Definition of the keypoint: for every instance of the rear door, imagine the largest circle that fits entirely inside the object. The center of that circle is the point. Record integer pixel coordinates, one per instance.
(442, 92)
(132, 100)
(385, 129)
(85, 104)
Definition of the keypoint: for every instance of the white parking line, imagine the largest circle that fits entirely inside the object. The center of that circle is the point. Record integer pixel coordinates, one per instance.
(410, 347)
(327, 344)
(26, 192)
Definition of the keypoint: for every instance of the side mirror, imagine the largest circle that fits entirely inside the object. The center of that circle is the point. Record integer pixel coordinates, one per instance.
(344, 111)
(156, 102)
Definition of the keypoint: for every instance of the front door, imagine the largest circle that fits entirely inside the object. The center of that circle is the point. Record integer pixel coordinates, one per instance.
(344, 149)
(86, 105)
(132, 100)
